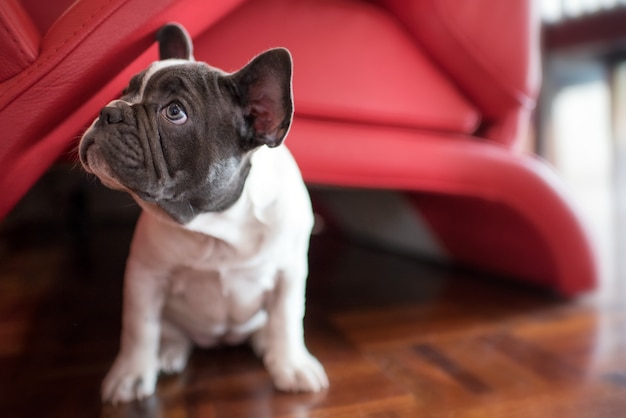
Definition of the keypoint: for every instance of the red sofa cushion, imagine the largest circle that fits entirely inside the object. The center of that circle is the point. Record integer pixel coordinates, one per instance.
(353, 61)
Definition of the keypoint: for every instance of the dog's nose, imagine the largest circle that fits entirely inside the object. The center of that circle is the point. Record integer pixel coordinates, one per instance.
(111, 115)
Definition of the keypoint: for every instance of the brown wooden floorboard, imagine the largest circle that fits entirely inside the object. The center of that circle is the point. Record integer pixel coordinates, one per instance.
(398, 338)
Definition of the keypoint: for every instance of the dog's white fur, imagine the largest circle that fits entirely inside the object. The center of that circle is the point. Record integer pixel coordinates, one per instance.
(222, 278)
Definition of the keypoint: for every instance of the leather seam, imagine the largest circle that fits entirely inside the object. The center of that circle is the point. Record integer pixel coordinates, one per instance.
(15, 41)
(51, 53)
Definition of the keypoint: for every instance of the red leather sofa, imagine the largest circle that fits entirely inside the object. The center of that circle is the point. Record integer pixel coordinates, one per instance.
(430, 97)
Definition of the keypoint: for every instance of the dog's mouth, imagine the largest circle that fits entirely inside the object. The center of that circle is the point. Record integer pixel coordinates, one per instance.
(93, 161)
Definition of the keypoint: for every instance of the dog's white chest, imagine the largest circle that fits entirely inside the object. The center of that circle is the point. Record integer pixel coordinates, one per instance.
(218, 293)
(218, 306)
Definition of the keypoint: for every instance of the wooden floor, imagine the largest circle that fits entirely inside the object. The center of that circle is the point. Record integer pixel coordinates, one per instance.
(398, 338)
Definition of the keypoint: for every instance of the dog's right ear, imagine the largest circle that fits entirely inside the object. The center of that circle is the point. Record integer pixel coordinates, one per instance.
(174, 42)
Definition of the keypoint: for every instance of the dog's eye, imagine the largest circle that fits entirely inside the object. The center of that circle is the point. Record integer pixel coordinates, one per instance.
(175, 113)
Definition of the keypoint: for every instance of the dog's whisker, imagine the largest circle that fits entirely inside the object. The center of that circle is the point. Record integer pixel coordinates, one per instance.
(193, 215)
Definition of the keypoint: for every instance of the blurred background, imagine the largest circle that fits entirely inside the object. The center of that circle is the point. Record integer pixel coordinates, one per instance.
(581, 117)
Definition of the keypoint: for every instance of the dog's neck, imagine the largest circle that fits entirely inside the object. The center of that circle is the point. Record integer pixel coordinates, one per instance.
(257, 193)
(186, 210)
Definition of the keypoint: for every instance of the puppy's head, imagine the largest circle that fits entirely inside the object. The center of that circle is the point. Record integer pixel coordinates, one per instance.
(181, 136)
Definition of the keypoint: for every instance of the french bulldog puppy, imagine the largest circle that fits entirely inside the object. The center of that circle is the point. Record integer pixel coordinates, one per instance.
(219, 253)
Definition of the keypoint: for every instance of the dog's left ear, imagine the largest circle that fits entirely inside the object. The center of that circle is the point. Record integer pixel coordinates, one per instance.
(174, 42)
(263, 90)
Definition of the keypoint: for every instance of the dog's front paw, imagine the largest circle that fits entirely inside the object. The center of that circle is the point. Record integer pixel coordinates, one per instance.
(296, 373)
(173, 357)
(129, 379)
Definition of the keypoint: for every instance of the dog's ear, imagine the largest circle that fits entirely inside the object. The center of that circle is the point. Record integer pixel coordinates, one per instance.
(174, 42)
(263, 90)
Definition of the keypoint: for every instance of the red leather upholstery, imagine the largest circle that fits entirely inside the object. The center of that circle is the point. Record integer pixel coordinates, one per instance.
(431, 97)
(19, 42)
(353, 62)
(489, 49)
(44, 13)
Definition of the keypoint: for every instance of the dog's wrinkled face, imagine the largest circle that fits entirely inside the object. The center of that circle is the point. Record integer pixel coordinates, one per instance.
(182, 134)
